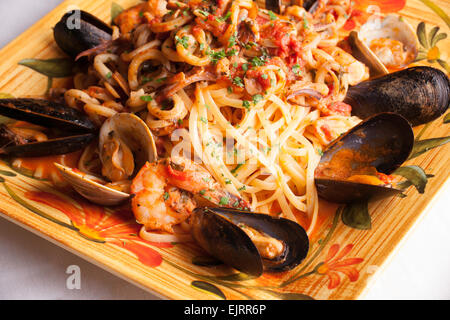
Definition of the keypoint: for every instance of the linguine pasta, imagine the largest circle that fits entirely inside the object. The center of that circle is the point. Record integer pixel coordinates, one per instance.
(251, 95)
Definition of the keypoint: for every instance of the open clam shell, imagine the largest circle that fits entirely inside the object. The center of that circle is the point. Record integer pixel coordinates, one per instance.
(220, 232)
(382, 143)
(391, 28)
(128, 133)
(419, 94)
(90, 189)
(129, 130)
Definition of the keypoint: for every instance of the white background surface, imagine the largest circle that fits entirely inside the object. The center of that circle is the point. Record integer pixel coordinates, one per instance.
(33, 268)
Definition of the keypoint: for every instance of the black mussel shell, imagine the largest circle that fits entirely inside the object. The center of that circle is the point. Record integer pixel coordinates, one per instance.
(46, 113)
(76, 127)
(78, 31)
(382, 142)
(216, 230)
(49, 147)
(420, 94)
(275, 5)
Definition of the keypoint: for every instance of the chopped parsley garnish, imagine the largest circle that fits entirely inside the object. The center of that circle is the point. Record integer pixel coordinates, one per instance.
(166, 195)
(319, 151)
(296, 69)
(245, 66)
(224, 201)
(204, 120)
(232, 41)
(258, 61)
(109, 75)
(246, 104)
(236, 168)
(257, 98)
(272, 15)
(216, 56)
(305, 22)
(183, 41)
(227, 181)
(237, 81)
(202, 192)
(264, 76)
(241, 188)
(146, 98)
(205, 13)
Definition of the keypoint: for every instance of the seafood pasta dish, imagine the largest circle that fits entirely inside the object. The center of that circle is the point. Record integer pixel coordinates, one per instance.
(200, 113)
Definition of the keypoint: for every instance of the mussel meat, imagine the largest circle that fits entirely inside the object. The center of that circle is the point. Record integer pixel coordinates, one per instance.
(249, 242)
(78, 129)
(419, 94)
(78, 31)
(350, 167)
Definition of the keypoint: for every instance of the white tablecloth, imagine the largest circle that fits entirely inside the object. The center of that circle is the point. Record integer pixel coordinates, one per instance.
(33, 268)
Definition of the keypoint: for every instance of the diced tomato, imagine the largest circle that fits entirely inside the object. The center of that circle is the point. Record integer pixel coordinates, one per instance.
(340, 108)
(259, 77)
(327, 131)
(385, 178)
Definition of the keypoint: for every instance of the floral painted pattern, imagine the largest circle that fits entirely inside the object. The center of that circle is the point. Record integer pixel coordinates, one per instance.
(93, 222)
(117, 227)
(335, 264)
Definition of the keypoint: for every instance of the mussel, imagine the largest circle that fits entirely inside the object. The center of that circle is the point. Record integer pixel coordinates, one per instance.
(419, 94)
(78, 129)
(350, 165)
(249, 242)
(125, 145)
(277, 5)
(78, 31)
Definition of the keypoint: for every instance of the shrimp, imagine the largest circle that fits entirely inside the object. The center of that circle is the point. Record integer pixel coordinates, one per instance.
(129, 19)
(165, 193)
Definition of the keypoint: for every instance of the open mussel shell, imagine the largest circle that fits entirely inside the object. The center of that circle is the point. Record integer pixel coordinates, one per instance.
(420, 94)
(277, 5)
(46, 113)
(78, 31)
(49, 147)
(77, 128)
(382, 142)
(90, 189)
(219, 231)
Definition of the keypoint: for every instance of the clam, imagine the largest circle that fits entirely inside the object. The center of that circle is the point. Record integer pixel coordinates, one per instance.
(350, 166)
(92, 188)
(249, 242)
(389, 43)
(125, 144)
(54, 118)
(78, 31)
(420, 94)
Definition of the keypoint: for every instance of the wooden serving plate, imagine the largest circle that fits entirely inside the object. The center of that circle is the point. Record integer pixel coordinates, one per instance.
(345, 252)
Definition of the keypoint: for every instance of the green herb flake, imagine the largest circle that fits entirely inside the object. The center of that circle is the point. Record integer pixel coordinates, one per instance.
(257, 98)
(224, 201)
(272, 15)
(146, 98)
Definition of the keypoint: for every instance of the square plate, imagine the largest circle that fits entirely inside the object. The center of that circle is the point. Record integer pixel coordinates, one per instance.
(342, 259)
